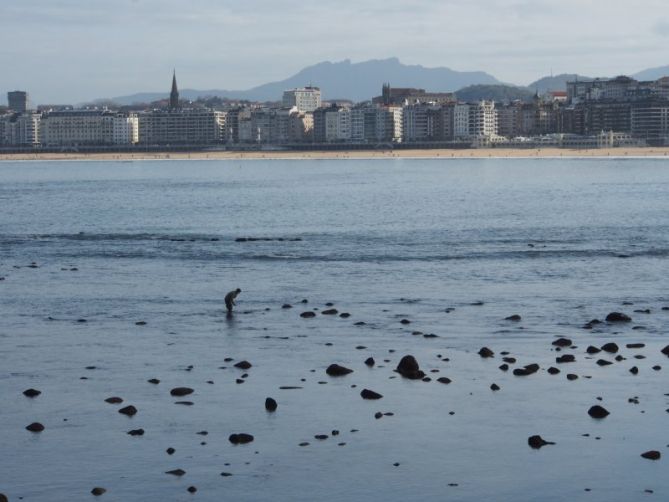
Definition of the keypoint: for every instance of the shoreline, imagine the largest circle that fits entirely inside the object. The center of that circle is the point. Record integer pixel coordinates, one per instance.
(483, 153)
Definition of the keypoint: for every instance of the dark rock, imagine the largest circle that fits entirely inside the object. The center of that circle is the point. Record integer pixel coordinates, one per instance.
(665, 351)
(537, 442)
(270, 404)
(181, 391)
(527, 370)
(652, 455)
(184, 403)
(31, 392)
(485, 352)
(136, 432)
(140, 323)
(114, 400)
(176, 472)
(514, 317)
(494, 387)
(562, 342)
(603, 362)
(226, 474)
(128, 410)
(405, 321)
(170, 451)
(304, 300)
(154, 381)
(444, 380)
(286, 306)
(344, 315)
(553, 371)
(592, 350)
(504, 367)
(360, 323)
(243, 365)
(308, 314)
(598, 412)
(657, 367)
(370, 394)
(566, 358)
(610, 347)
(330, 312)
(191, 489)
(337, 370)
(642, 311)
(635, 345)
(634, 370)
(370, 361)
(35, 427)
(510, 360)
(321, 437)
(572, 377)
(241, 438)
(408, 368)
(619, 358)
(97, 491)
(618, 317)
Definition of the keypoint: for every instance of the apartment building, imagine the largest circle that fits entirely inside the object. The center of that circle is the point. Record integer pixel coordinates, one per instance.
(182, 126)
(306, 99)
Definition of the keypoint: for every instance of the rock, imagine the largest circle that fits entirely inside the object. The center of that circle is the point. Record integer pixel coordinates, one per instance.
(553, 371)
(603, 362)
(243, 365)
(405, 321)
(170, 451)
(665, 351)
(514, 317)
(408, 368)
(566, 358)
(226, 474)
(241, 438)
(618, 317)
(136, 432)
(128, 410)
(634, 370)
(642, 311)
(337, 370)
(652, 455)
(635, 345)
(154, 381)
(572, 377)
(176, 472)
(485, 352)
(370, 394)
(270, 404)
(191, 489)
(140, 323)
(308, 314)
(527, 370)
(598, 412)
(370, 361)
(344, 315)
(321, 437)
(184, 403)
(592, 350)
(510, 360)
(31, 393)
(114, 400)
(610, 347)
(561, 342)
(537, 442)
(330, 312)
(181, 391)
(444, 380)
(35, 427)
(504, 367)
(97, 491)
(494, 387)
(360, 323)
(286, 306)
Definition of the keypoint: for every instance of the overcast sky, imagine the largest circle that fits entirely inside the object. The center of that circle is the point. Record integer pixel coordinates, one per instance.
(77, 50)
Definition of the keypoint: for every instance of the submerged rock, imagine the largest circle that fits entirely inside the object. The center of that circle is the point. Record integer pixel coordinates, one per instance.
(370, 394)
(128, 410)
(537, 442)
(618, 317)
(97, 491)
(592, 350)
(370, 361)
(243, 365)
(485, 352)
(652, 455)
(270, 404)
(35, 427)
(526, 370)
(31, 393)
(566, 358)
(444, 380)
(514, 317)
(610, 347)
(598, 412)
(562, 342)
(181, 391)
(241, 438)
(114, 400)
(337, 370)
(136, 432)
(176, 472)
(308, 314)
(408, 368)
(330, 312)
(665, 351)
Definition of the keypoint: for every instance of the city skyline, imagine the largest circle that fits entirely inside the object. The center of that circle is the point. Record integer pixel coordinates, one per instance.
(79, 51)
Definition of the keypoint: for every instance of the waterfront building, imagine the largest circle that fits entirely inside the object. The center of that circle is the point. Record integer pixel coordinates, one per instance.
(182, 126)
(306, 99)
(408, 95)
(461, 121)
(19, 101)
(650, 121)
(88, 128)
(20, 129)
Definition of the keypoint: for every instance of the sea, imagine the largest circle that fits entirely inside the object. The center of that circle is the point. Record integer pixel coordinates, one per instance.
(113, 274)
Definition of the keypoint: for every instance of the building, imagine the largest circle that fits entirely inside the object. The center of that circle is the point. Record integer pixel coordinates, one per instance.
(18, 101)
(74, 128)
(389, 124)
(409, 95)
(461, 121)
(483, 119)
(306, 99)
(182, 126)
(174, 93)
(338, 124)
(650, 121)
(20, 129)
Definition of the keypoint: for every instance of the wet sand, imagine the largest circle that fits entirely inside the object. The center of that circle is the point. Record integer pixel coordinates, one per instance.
(351, 154)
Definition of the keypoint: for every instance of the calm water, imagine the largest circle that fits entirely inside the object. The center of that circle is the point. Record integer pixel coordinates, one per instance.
(559, 242)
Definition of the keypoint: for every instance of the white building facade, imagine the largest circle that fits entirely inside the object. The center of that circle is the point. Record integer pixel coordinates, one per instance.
(306, 99)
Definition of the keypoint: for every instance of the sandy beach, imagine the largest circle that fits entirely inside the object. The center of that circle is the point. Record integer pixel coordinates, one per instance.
(349, 154)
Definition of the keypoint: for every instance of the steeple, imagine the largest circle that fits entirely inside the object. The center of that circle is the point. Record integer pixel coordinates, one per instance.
(174, 95)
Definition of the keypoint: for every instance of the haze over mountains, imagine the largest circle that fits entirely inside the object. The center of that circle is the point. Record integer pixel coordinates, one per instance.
(361, 81)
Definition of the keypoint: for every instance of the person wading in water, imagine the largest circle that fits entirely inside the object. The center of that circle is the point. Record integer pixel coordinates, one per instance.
(230, 300)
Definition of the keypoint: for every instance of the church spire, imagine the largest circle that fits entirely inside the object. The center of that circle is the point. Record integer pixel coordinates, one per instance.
(174, 95)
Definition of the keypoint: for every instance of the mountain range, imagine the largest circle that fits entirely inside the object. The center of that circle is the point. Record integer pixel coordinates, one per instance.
(361, 81)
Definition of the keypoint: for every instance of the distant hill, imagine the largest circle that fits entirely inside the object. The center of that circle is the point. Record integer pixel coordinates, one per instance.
(652, 73)
(499, 93)
(555, 83)
(355, 81)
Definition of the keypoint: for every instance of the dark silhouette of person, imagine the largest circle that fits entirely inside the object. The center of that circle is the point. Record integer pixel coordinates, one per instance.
(230, 299)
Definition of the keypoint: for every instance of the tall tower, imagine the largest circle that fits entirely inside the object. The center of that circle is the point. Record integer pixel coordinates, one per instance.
(174, 95)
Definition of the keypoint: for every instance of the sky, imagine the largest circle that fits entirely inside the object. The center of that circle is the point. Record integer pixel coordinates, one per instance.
(71, 51)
